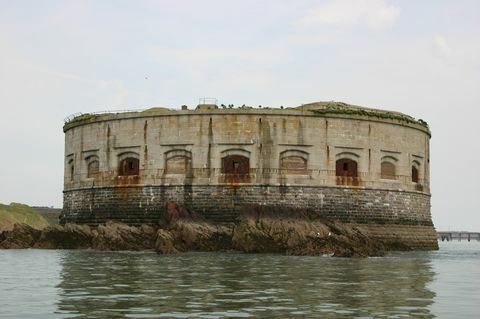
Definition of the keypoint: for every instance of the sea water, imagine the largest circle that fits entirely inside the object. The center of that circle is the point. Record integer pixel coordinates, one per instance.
(92, 284)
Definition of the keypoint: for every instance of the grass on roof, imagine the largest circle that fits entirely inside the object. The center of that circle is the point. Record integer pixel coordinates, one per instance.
(369, 113)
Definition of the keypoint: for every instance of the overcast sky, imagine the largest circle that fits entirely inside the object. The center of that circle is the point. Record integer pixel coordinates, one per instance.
(62, 57)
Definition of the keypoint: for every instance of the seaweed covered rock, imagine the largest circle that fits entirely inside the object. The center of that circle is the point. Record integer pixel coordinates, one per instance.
(111, 236)
(165, 243)
(21, 236)
(189, 235)
(118, 236)
(262, 233)
(257, 231)
(68, 236)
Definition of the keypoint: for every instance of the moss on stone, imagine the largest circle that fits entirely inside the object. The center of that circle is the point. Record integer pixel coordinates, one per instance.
(318, 108)
(155, 110)
(78, 119)
(336, 109)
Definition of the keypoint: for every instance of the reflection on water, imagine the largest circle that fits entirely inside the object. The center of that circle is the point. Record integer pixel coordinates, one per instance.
(238, 285)
(46, 284)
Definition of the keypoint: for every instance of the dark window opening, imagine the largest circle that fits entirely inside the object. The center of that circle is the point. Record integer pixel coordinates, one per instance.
(129, 166)
(414, 174)
(72, 172)
(236, 165)
(346, 167)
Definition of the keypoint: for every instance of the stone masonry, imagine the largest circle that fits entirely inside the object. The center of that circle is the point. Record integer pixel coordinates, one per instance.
(353, 164)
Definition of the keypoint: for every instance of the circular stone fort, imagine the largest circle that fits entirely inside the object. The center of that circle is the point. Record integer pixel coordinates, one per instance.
(342, 162)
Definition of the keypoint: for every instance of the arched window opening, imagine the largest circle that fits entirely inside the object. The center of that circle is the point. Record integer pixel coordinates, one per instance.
(346, 171)
(237, 165)
(93, 169)
(70, 170)
(414, 174)
(346, 167)
(178, 161)
(129, 166)
(178, 165)
(387, 170)
(293, 165)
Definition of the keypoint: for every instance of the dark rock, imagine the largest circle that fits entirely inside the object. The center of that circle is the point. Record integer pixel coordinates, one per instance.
(117, 236)
(188, 235)
(164, 243)
(111, 236)
(68, 236)
(21, 236)
(302, 237)
(254, 233)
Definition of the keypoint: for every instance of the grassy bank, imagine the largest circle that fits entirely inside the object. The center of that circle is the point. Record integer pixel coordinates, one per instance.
(20, 213)
(51, 215)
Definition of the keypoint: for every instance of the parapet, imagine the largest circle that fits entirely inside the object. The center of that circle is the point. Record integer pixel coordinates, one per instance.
(318, 109)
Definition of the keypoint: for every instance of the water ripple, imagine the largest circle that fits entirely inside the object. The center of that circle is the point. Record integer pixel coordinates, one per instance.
(89, 284)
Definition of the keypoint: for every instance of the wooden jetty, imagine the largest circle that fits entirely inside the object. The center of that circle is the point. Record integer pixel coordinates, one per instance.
(457, 235)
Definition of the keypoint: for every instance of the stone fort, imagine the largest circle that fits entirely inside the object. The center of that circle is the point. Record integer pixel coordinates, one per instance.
(343, 162)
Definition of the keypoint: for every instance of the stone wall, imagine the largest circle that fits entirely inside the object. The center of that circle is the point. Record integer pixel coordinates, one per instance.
(136, 205)
(392, 216)
(181, 147)
(292, 162)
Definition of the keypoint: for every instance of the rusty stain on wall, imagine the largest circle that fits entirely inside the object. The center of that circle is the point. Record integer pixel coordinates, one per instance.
(108, 147)
(236, 169)
(369, 159)
(209, 152)
(145, 145)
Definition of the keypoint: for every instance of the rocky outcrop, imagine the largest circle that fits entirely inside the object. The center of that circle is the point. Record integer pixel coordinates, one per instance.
(187, 235)
(21, 236)
(301, 237)
(117, 236)
(182, 231)
(111, 236)
(69, 236)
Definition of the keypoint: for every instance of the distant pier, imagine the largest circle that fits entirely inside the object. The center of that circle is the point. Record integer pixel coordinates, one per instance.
(457, 235)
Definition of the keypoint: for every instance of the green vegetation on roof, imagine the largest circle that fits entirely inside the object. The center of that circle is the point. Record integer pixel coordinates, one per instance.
(80, 118)
(86, 117)
(154, 110)
(366, 112)
(319, 108)
(20, 213)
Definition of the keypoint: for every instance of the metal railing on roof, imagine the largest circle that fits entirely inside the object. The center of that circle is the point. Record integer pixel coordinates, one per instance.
(71, 117)
(208, 100)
